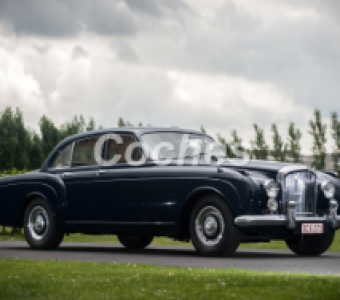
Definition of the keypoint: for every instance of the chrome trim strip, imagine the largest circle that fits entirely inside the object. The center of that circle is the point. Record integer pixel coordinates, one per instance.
(291, 214)
(276, 220)
(265, 220)
(71, 155)
(333, 207)
(118, 223)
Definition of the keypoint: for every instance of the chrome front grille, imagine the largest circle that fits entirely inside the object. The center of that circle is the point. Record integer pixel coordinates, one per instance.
(300, 187)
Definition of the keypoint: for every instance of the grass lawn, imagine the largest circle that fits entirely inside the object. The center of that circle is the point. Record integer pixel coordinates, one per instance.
(81, 280)
(163, 241)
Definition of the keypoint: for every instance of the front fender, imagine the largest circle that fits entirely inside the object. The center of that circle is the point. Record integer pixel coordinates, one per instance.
(223, 188)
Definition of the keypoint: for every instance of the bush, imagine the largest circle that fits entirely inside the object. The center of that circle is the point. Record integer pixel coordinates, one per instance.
(12, 171)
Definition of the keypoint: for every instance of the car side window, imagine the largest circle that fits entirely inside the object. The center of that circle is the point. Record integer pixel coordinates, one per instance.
(83, 153)
(62, 158)
(113, 149)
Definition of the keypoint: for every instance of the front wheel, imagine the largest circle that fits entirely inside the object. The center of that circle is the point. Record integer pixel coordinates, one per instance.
(39, 226)
(211, 228)
(135, 242)
(311, 245)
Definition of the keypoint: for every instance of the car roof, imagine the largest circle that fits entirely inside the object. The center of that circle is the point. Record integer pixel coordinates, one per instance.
(138, 131)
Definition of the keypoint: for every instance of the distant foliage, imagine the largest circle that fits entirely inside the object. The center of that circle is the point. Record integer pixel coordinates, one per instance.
(279, 147)
(335, 129)
(202, 129)
(294, 143)
(21, 148)
(318, 132)
(233, 148)
(226, 146)
(260, 149)
(12, 172)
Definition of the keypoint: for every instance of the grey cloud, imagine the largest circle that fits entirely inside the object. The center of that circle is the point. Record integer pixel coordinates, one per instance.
(42, 49)
(156, 7)
(41, 18)
(301, 56)
(234, 18)
(125, 52)
(67, 18)
(79, 52)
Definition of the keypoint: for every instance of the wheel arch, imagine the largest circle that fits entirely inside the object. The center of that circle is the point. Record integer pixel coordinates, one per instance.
(49, 195)
(190, 202)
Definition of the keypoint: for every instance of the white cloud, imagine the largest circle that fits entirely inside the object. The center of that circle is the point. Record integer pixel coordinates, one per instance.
(19, 88)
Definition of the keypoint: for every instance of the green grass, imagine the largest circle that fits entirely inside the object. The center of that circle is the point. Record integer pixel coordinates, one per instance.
(30, 279)
(161, 241)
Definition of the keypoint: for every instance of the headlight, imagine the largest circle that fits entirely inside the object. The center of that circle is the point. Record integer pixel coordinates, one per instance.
(272, 205)
(328, 189)
(271, 188)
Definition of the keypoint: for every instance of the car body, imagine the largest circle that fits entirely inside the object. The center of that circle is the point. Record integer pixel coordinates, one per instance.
(215, 205)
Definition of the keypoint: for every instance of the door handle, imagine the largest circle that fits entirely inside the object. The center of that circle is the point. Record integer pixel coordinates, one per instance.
(102, 172)
(67, 174)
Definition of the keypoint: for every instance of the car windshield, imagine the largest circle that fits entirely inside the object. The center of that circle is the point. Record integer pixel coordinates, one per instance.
(173, 145)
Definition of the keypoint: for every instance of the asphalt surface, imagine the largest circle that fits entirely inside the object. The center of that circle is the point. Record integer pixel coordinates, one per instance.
(247, 259)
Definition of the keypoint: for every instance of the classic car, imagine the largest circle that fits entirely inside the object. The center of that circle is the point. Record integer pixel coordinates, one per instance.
(96, 183)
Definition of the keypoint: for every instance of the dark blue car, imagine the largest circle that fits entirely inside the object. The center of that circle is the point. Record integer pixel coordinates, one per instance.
(139, 183)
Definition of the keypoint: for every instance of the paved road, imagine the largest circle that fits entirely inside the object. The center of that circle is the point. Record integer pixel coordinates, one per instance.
(262, 260)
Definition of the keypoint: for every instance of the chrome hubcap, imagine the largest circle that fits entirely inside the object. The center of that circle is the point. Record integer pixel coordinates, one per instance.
(38, 223)
(209, 226)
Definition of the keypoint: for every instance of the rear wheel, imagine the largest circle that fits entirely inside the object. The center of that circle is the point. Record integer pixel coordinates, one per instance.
(39, 226)
(211, 228)
(135, 242)
(311, 245)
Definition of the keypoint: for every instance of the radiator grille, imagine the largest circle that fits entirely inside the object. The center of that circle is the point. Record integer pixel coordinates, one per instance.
(301, 188)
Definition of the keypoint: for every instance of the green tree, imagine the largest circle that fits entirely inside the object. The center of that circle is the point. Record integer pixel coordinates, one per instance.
(279, 146)
(236, 145)
(36, 157)
(50, 135)
(260, 148)
(76, 125)
(227, 147)
(318, 132)
(91, 125)
(22, 144)
(121, 122)
(8, 139)
(294, 140)
(202, 129)
(335, 130)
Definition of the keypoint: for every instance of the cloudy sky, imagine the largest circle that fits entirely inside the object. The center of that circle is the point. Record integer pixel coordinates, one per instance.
(223, 64)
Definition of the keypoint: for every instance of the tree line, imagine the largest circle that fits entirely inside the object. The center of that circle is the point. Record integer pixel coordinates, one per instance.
(24, 149)
(289, 150)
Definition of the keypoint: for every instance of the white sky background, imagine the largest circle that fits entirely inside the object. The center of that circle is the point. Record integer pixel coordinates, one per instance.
(221, 64)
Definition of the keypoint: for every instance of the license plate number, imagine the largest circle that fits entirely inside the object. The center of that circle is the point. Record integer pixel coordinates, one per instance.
(312, 228)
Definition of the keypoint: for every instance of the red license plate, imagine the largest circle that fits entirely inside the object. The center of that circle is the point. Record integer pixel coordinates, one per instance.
(312, 228)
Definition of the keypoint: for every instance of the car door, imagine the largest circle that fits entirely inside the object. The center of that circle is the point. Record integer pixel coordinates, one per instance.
(78, 168)
(119, 188)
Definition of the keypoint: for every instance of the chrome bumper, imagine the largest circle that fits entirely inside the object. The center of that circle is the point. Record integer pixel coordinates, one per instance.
(279, 220)
(291, 219)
